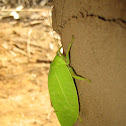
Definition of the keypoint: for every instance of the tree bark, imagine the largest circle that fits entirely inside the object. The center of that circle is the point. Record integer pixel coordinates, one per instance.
(99, 54)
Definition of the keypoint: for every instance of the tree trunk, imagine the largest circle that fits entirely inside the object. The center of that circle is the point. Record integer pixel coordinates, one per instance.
(99, 54)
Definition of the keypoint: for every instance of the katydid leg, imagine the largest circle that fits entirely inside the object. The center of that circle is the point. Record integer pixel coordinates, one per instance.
(58, 52)
(68, 50)
(76, 76)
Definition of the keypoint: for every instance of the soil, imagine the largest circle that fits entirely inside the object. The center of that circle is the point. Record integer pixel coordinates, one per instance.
(98, 53)
(27, 47)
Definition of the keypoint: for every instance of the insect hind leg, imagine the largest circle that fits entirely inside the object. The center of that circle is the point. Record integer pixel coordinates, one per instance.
(76, 76)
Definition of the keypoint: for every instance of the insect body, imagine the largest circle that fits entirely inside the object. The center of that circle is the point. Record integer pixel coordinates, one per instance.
(62, 89)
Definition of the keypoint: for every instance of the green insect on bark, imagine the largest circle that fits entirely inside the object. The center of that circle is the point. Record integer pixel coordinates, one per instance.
(62, 89)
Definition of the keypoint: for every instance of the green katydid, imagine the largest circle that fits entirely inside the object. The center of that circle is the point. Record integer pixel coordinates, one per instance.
(62, 89)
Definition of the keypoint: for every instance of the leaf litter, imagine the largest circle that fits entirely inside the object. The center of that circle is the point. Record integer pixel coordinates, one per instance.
(27, 46)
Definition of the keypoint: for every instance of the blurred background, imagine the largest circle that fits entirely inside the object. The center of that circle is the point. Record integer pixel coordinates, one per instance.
(28, 45)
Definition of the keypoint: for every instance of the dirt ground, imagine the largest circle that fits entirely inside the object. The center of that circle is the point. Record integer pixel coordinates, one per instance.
(27, 46)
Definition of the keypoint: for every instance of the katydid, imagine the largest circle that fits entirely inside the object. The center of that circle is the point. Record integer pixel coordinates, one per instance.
(62, 89)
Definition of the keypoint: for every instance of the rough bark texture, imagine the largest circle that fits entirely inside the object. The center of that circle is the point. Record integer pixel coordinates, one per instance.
(98, 53)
